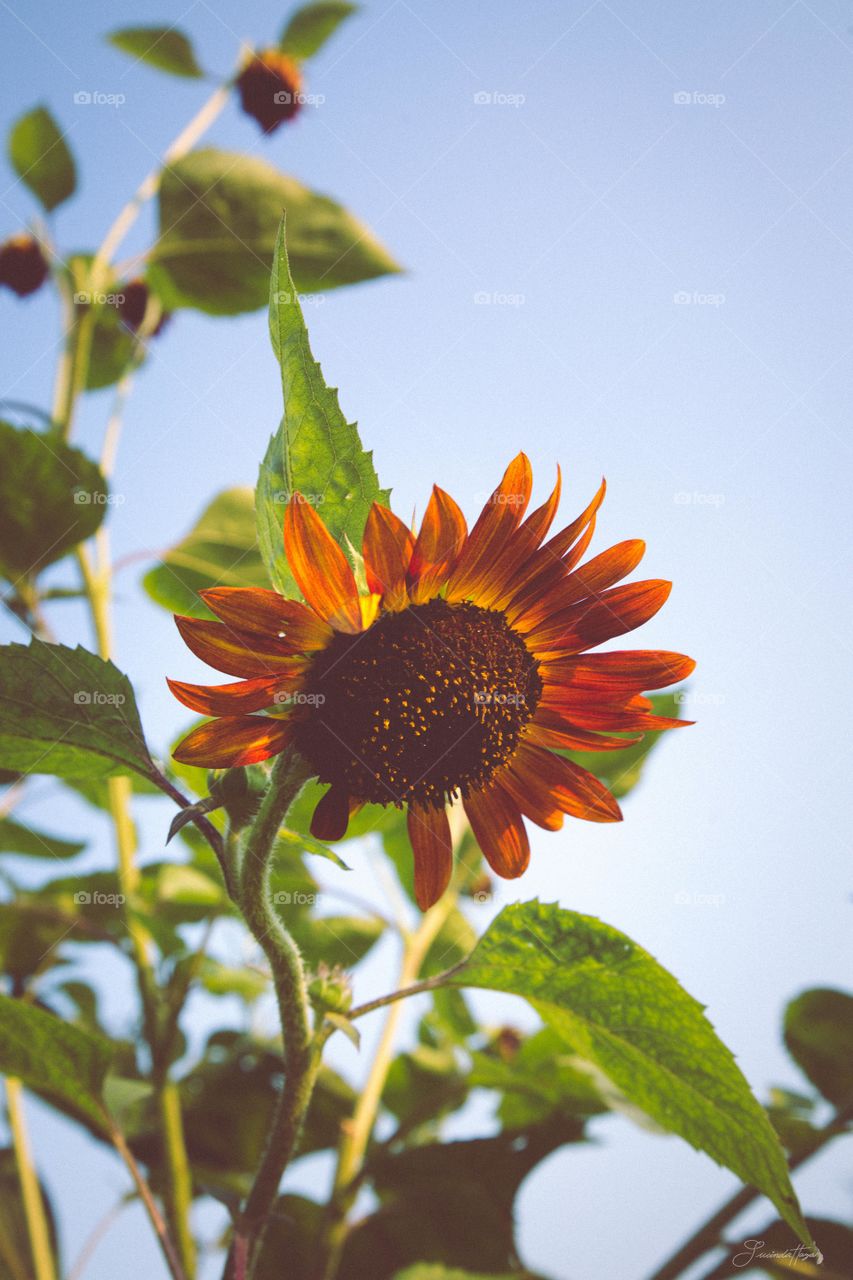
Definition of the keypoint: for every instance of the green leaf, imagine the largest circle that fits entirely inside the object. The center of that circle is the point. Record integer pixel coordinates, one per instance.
(315, 450)
(431, 1271)
(310, 845)
(52, 497)
(819, 1036)
(219, 216)
(65, 711)
(295, 1232)
(537, 1079)
(221, 550)
(114, 346)
(311, 26)
(54, 1058)
(16, 1256)
(616, 1007)
(620, 771)
(41, 158)
(224, 980)
(165, 48)
(331, 940)
(28, 843)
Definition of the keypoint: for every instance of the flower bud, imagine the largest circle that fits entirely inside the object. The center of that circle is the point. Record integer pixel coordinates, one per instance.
(23, 266)
(329, 989)
(132, 310)
(270, 89)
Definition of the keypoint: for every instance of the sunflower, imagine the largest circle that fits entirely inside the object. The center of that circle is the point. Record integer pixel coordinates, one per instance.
(462, 669)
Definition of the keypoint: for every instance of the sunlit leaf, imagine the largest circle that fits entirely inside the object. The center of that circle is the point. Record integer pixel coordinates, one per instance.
(41, 158)
(165, 48)
(311, 26)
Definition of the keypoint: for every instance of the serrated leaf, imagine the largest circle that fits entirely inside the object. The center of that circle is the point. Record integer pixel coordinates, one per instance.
(52, 497)
(819, 1036)
(310, 27)
(219, 216)
(26, 842)
(41, 158)
(165, 48)
(221, 550)
(616, 1007)
(55, 1059)
(65, 711)
(315, 450)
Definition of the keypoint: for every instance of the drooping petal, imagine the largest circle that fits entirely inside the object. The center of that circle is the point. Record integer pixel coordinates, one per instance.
(499, 830)
(592, 622)
(502, 580)
(575, 790)
(320, 567)
(237, 653)
(438, 546)
(387, 549)
(599, 573)
(331, 816)
(233, 741)
(555, 733)
(630, 668)
(501, 515)
(532, 796)
(269, 614)
(432, 846)
(232, 699)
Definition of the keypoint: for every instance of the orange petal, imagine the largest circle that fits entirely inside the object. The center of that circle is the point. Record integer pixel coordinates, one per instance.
(553, 732)
(230, 699)
(233, 741)
(331, 816)
(552, 563)
(387, 549)
(533, 799)
(320, 567)
(592, 622)
(501, 515)
(429, 833)
(562, 541)
(574, 790)
(499, 830)
(269, 614)
(599, 573)
(503, 575)
(631, 668)
(438, 546)
(237, 653)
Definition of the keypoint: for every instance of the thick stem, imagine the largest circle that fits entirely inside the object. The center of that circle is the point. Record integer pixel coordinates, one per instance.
(301, 1050)
(709, 1235)
(33, 1205)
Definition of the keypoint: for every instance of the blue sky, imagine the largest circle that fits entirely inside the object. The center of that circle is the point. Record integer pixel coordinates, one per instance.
(655, 203)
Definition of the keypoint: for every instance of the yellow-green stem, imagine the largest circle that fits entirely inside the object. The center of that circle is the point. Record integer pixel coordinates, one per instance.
(34, 1212)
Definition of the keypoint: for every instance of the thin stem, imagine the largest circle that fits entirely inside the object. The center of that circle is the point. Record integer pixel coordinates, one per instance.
(172, 1260)
(31, 1197)
(403, 993)
(301, 1050)
(709, 1234)
(93, 1239)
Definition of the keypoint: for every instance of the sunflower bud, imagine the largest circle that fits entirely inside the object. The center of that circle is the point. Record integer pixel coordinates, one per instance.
(240, 792)
(270, 89)
(135, 295)
(507, 1043)
(23, 266)
(329, 990)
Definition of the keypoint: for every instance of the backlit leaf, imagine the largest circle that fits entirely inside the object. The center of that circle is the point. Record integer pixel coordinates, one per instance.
(165, 48)
(41, 158)
(311, 26)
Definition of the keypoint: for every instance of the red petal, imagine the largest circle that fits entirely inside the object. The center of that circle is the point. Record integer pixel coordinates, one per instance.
(589, 580)
(499, 830)
(554, 732)
(503, 576)
(575, 790)
(230, 699)
(438, 546)
(254, 609)
(592, 622)
(533, 798)
(320, 567)
(331, 816)
(432, 846)
(387, 549)
(237, 653)
(501, 515)
(629, 668)
(233, 741)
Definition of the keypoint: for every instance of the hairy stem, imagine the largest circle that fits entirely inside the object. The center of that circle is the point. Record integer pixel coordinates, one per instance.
(34, 1212)
(301, 1050)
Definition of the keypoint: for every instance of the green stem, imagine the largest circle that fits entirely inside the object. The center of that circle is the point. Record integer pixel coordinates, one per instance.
(31, 1197)
(301, 1050)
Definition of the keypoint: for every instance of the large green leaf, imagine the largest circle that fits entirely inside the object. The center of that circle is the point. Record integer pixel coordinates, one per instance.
(54, 1058)
(28, 843)
(221, 549)
(219, 216)
(51, 498)
(315, 450)
(41, 158)
(617, 1008)
(819, 1037)
(310, 27)
(163, 47)
(620, 771)
(65, 711)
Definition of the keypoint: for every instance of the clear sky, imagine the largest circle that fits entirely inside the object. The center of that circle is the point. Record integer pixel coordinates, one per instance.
(656, 203)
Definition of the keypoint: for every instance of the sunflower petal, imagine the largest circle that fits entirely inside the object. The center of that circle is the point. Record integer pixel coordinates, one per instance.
(590, 623)
(237, 653)
(387, 549)
(320, 567)
(628, 668)
(438, 546)
(501, 515)
(432, 846)
(231, 699)
(269, 614)
(532, 796)
(553, 732)
(499, 830)
(233, 741)
(599, 573)
(502, 579)
(575, 790)
(331, 815)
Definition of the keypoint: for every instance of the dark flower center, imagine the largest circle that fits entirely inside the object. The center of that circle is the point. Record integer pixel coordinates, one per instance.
(426, 703)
